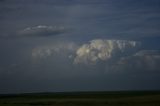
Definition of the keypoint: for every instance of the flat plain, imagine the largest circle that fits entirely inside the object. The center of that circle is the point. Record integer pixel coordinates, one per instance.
(105, 98)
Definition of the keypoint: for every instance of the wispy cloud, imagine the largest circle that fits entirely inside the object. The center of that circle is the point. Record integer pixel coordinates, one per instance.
(42, 30)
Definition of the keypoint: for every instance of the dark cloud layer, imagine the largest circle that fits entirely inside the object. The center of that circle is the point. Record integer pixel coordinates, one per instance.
(74, 45)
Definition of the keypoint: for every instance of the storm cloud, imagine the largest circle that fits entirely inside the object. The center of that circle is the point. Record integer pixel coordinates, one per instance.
(100, 49)
(110, 55)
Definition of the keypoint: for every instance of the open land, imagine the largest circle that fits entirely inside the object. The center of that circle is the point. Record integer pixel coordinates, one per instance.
(105, 98)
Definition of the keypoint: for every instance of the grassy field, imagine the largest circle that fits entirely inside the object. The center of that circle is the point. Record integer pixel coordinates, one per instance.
(116, 98)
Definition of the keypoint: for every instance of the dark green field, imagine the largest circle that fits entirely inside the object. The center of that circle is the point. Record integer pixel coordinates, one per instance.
(115, 98)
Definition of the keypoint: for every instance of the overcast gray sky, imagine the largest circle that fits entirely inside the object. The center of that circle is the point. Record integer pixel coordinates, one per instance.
(79, 45)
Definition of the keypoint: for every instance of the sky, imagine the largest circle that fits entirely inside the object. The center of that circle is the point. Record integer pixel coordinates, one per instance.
(79, 45)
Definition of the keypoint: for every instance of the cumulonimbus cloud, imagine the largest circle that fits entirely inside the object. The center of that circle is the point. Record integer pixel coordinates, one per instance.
(104, 50)
(42, 30)
(110, 55)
